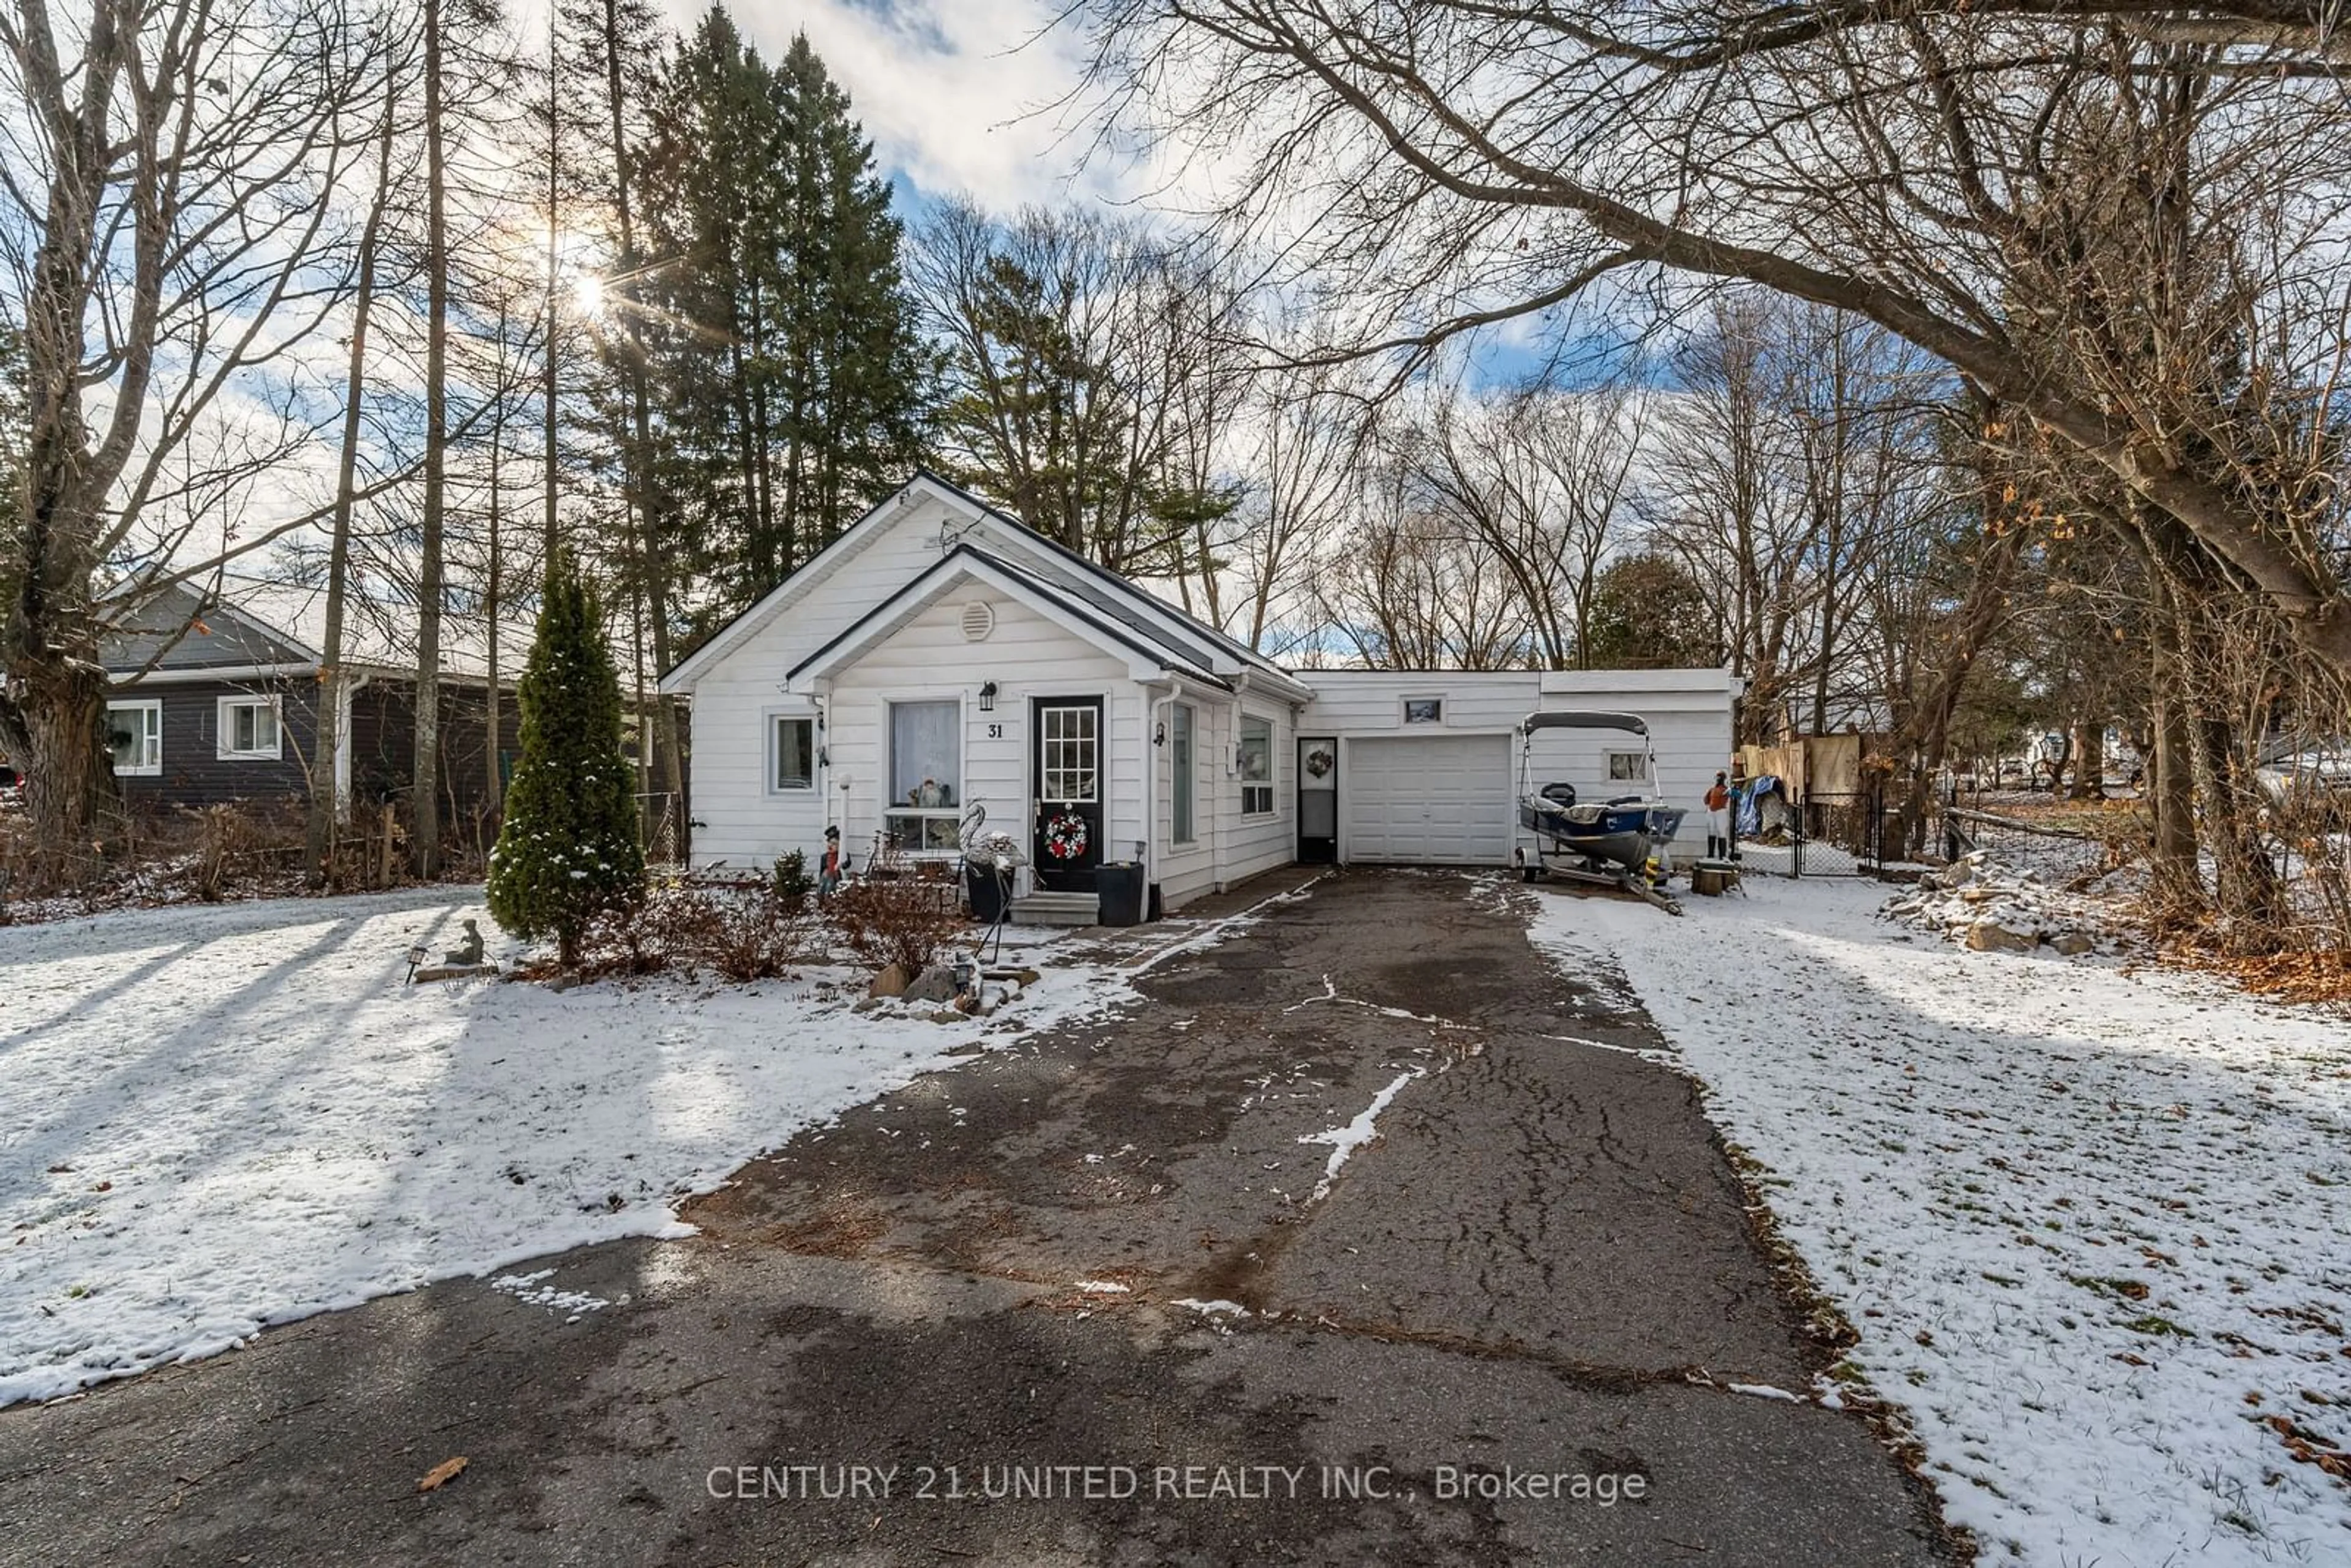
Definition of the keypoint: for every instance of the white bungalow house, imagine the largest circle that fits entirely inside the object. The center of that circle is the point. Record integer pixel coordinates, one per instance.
(940, 655)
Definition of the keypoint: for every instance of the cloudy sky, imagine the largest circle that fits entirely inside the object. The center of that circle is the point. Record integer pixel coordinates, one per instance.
(960, 95)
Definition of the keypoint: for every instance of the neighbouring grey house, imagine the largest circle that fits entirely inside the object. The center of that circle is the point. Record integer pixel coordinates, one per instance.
(215, 691)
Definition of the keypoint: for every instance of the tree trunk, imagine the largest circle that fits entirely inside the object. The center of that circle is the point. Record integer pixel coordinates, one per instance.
(53, 725)
(651, 585)
(2245, 884)
(553, 393)
(424, 789)
(1928, 729)
(68, 767)
(2176, 882)
(2090, 760)
(493, 599)
(326, 801)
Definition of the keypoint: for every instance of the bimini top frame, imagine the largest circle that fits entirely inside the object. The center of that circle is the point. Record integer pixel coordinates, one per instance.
(1583, 718)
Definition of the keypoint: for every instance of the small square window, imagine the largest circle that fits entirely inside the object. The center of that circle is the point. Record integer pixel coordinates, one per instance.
(1424, 710)
(793, 754)
(249, 730)
(1627, 768)
(135, 735)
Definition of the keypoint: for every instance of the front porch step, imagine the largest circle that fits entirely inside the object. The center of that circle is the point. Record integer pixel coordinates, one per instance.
(1057, 909)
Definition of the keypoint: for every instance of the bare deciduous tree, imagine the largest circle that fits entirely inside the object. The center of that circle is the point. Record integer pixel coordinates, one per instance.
(1446, 164)
(166, 214)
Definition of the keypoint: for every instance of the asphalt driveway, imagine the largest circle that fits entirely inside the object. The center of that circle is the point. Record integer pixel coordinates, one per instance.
(1111, 1297)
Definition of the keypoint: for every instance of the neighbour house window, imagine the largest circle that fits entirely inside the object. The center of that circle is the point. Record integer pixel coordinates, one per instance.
(134, 731)
(1424, 710)
(1257, 765)
(925, 774)
(1179, 753)
(1629, 768)
(793, 749)
(249, 730)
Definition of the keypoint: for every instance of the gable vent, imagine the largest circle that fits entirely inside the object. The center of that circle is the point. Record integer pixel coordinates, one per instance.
(978, 620)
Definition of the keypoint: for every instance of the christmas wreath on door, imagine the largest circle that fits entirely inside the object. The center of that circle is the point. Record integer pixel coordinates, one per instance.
(1065, 837)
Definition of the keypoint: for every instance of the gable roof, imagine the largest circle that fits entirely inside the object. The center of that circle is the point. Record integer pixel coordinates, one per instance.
(289, 618)
(968, 562)
(1080, 588)
(1120, 586)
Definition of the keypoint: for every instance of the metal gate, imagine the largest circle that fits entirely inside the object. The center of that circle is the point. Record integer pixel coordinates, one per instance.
(1825, 833)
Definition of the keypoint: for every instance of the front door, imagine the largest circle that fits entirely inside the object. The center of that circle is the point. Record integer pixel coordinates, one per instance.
(1068, 827)
(1318, 800)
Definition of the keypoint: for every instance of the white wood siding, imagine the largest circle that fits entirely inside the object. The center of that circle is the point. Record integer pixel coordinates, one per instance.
(742, 819)
(1688, 712)
(1027, 656)
(1261, 843)
(1371, 702)
(737, 821)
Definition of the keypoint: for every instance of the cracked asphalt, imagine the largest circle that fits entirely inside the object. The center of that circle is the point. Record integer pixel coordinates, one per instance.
(895, 1340)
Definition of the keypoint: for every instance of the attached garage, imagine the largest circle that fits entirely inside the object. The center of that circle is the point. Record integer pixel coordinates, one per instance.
(1440, 799)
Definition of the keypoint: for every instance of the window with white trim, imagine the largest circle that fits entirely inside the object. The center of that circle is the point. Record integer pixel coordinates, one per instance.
(249, 730)
(1256, 756)
(1629, 768)
(1179, 755)
(1424, 710)
(791, 754)
(134, 734)
(925, 775)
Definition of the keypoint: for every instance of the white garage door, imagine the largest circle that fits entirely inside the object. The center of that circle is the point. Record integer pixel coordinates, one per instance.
(1441, 799)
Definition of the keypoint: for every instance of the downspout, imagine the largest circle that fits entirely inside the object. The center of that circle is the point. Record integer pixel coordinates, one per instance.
(345, 690)
(821, 698)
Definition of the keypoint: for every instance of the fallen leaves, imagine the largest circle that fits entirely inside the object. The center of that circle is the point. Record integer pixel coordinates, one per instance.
(2296, 975)
(442, 1474)
(2310, 1448)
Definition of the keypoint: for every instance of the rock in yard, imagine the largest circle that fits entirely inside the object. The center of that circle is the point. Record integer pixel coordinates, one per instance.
(934, 984)
(890, 982)
(2073, 943)
(1991, 936)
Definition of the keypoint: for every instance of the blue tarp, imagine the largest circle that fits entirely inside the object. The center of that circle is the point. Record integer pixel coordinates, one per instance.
(1746, 804)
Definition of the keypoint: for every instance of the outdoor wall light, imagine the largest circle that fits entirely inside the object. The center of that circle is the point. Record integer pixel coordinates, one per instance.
(988, 696)
(1159, 736)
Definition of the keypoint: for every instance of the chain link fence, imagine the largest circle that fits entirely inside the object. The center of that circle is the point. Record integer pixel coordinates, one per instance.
(1839, 832)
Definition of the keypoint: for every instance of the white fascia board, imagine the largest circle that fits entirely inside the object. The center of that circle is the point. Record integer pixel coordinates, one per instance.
(1584, 682)
(875, 631)
(191, 674)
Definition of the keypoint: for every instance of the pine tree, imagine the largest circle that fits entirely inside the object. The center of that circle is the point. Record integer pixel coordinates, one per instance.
(569, 849)
(780, 337)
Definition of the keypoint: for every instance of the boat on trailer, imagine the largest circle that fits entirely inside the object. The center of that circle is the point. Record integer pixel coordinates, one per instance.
(1617, 842)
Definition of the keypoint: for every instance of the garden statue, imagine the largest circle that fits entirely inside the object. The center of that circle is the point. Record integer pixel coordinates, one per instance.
(469, 954)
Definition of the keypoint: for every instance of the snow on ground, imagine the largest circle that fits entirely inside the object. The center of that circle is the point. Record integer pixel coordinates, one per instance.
(2093, 1226)
(1344, 1141)
(216, 1118)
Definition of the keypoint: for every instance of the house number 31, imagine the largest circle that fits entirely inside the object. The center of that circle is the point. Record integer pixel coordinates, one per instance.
(996, 732)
